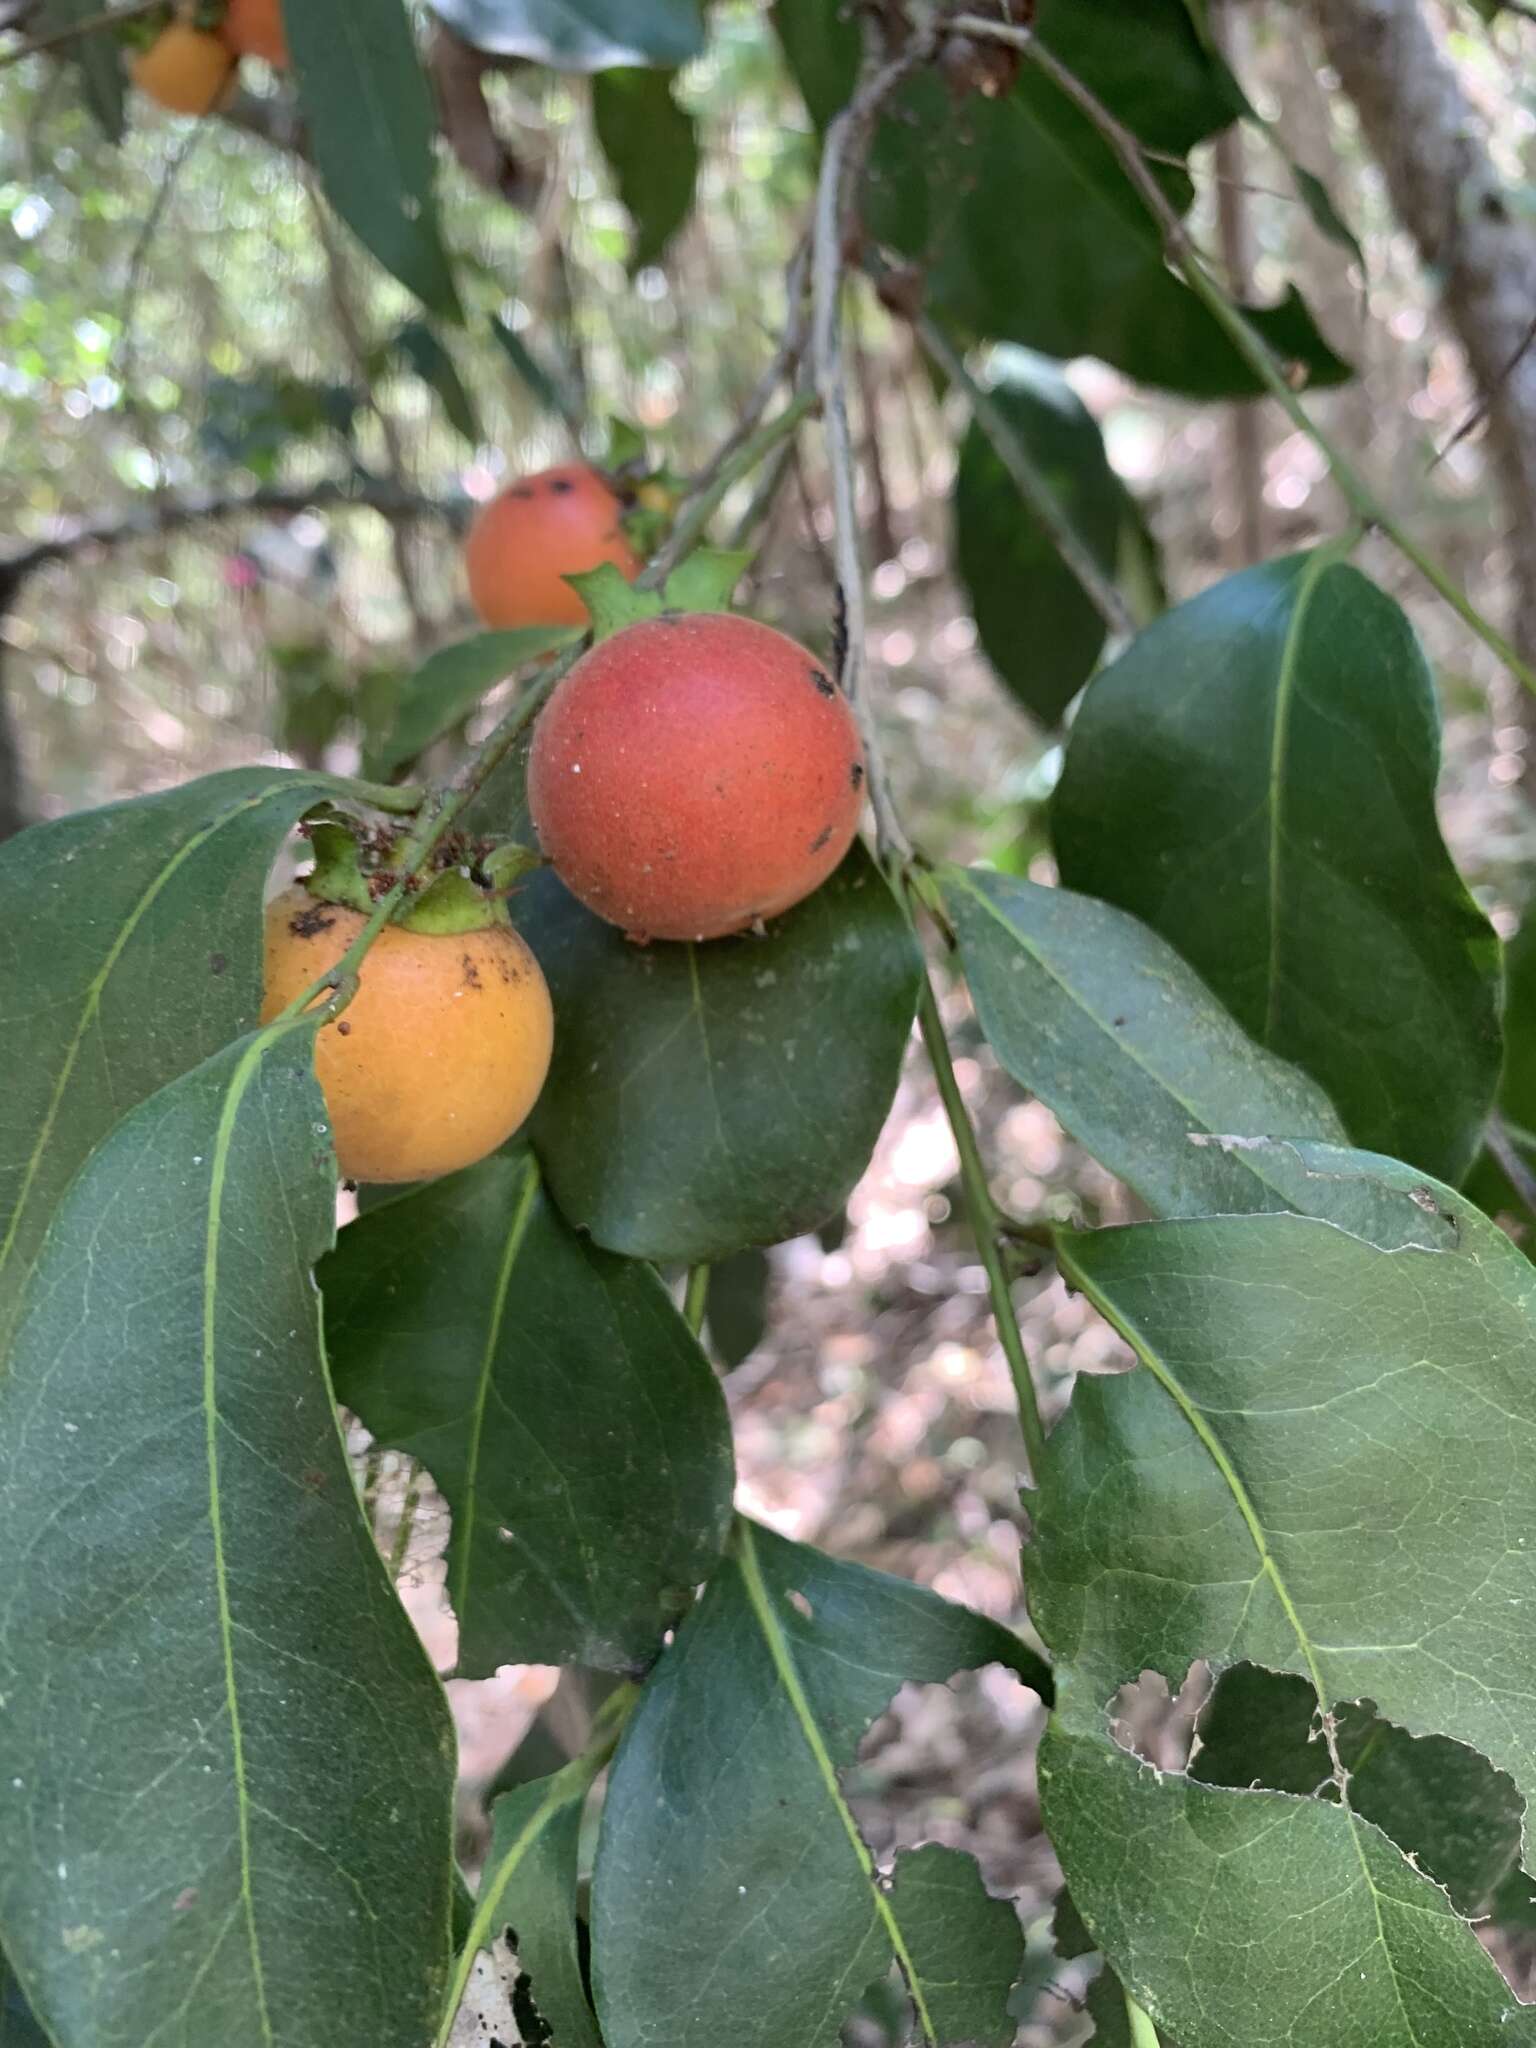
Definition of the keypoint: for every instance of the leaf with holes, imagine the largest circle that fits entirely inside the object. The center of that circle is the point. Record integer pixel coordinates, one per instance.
(1323, 1467)
(653, 151)
(99, 914)
(226, 1767)
(733, 1896)
(1255, 779)
(560, 1403)
(580, 35)
(1008, 562)
(370, 121)
(1101, 1019)
(707, 1097)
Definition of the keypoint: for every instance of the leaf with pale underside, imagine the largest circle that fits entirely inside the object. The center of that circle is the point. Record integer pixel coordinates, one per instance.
(733, 1897)
(226, 1767)
(559, 1401)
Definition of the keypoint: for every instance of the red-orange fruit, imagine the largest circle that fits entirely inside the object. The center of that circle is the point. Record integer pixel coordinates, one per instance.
(254, 28)
(185, 70)
(693, 774)
(538, 531)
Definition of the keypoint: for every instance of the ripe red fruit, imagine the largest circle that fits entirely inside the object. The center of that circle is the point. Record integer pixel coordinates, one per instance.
(540, 530)
(693, 774)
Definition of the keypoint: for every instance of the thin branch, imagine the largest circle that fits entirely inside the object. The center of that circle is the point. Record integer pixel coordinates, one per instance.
(1501, 1144)
(1030, 481)
(1255, 350)
(1486, 402)
(373, 494)
(842, 166)
(109, 17)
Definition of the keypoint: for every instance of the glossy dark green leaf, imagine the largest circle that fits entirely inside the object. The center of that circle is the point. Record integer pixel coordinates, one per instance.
(18, 2026)
(1102, 1020)
(528, 1893)
(966, 1947)
(1255, 779)
(226, 1766)
(1037, 626)
(580, 35)
(708, 1097)
(1488, 1184)
(1440, 1802)
(452, 680)
(1079, 269)
(1323, 1467)
(736, 1308)
(100, 914)
(558, 1399)
(733, 1897)
(417, 345)
(370, 121)
(98, 58)
(653, 150)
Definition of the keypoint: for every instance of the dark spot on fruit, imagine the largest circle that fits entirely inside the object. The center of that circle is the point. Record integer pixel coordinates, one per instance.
(856, 774)
(343, 1029)
(823, 682)
(523, 491)
(821, 838)
(560, 485)
(309, 924)
(471, 971)
(217, 962)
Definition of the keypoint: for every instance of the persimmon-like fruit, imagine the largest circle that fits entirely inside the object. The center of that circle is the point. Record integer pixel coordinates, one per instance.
(693, 774)
(440, 1054)
(184, 69)
(538, 531)
(254, 28)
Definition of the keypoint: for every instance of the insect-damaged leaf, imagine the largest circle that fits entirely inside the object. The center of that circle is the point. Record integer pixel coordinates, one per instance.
(558, 1399)
(706, 1097)
(733, 1897)
(226, 1766)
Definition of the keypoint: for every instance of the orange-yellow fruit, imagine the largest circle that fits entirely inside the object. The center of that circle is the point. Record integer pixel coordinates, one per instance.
(254, 28)
(537, 532)
(693, 774)
(184, 69)
(438, 1057)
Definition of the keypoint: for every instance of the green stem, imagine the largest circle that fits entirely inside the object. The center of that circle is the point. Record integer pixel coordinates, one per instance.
(986, 1225)
(705, 498)
(1143, 2033)
(1250, 344)
(695, 1297)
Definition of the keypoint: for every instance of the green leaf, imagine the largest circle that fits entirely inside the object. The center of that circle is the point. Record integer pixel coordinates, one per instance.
(98, 58)
(1488, 1184)
(966, 1947)
(653, 151)
(18, 2028)
(1102, 1020)
(226, 1767)
(540, 379)
(370, 122)
(100, 914)
(736, 1307)
(707, 1097)
(1037, 626)
(1255, 778)
(421, 349)
(1322, 1468)
(1080, 269)
(705, 580)
(733, 1897)
(528, 1892)
(612, 601)
(1440, 1802)
(557, 1397)
(580, 35)
(452, 680)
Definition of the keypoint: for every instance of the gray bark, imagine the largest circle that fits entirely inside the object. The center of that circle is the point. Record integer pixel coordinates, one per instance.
(1424, 133)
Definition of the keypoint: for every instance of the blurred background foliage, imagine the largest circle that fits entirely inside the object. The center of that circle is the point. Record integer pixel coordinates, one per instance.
(179, 317)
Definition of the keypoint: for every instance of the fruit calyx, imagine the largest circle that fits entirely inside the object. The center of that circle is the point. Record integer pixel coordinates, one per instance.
(463, 889)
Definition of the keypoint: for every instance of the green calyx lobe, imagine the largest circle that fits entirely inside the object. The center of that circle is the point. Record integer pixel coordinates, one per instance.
(355, 874)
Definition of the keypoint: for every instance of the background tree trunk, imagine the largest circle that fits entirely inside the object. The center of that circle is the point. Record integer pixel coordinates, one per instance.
(1430, 144)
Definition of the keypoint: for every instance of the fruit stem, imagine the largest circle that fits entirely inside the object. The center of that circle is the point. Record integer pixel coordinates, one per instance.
(987, 1225)
(696, 1298)
(1260, 357)
(1143, 2032)
(730, 465)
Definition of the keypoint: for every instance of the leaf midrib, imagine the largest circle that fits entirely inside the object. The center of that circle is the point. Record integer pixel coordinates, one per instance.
(1313, 571)
(782, 1655)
